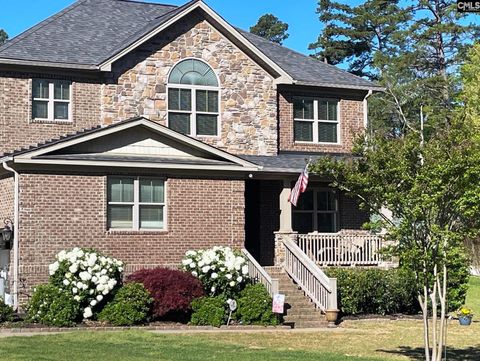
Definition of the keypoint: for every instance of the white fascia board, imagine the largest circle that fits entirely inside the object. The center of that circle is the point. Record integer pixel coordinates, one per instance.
(118, 164)
(149, 124)
(106, 65)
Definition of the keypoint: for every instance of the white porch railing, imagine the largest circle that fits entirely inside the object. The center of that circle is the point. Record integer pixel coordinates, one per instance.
(258, 274)
(321, 289)
(342, 249)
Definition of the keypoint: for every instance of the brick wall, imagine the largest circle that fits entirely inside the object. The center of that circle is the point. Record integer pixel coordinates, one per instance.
(7, 187)
(351, 121)
(61, 212)
(16, 126)
(137, 86)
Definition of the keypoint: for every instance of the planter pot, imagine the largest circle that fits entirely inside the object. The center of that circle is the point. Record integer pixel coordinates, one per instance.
(465, 320)
(331, 316)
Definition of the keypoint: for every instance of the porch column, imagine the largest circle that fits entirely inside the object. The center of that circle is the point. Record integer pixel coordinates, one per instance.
(285, 208)
(285, 231)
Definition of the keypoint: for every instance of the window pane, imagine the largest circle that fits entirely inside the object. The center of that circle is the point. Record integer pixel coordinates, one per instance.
(326, 222)
(120, 216)
(121, 190)
(151, 191)
(327, 109)
(303, 131)
(39, 109)
(151, 217)
(327, 132)
(305, 201)
(303, 108)
(207, 101)
(40, 89)
(326, 201)
(303, 222)
(332, 110)
(179, 122)
(206, 124)
(179, 99)
(62, 90)
(60, 110)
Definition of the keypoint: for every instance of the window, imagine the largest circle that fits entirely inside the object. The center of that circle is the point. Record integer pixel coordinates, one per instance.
(193, 98)
(315, 120)
(136, 203)
(316, 211)
(51, 100)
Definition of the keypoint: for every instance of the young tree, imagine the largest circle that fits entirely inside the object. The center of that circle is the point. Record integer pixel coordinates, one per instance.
(3, 36)
(430, 184)
(271, 28)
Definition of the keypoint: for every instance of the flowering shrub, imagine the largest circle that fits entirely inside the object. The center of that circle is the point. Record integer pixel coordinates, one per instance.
(221, 270)
(52, 307)
(464, 312)
(130, 306)
(172, 291)
(87, 275)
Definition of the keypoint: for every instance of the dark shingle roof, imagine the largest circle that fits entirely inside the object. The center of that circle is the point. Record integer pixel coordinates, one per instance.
(90, 32)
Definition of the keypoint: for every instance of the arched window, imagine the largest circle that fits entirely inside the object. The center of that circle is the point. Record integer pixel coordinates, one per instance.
(193, 98)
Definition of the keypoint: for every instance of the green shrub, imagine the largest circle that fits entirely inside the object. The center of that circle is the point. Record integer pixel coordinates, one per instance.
(6, 312)
(52, 306)
(209, 311)
(255, 306)
(131, 305)
(458, 278)
(375, 291)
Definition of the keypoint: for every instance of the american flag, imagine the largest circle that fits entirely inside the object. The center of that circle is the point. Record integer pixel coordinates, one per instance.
(300, 187)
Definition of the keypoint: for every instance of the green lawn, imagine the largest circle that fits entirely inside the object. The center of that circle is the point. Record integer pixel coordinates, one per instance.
(366, 340)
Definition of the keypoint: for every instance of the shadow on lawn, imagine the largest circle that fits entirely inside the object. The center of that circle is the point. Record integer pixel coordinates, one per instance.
(453, 354)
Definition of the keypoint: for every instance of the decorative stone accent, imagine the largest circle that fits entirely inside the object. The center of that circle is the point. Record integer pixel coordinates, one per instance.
(281, 237)
(248, 105)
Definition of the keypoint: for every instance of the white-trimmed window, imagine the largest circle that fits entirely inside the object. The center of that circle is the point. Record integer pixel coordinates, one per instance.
(136, 203)
(316, 120)
(316, 211)
(193, 99)
(51, 100)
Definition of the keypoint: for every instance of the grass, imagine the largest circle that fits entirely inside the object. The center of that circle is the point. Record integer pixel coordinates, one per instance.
(365, 340)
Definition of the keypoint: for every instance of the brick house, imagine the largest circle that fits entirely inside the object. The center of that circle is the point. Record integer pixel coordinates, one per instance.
(145, 130)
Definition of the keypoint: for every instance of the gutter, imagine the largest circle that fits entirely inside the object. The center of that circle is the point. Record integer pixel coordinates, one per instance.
(365, 109)
(15, 233)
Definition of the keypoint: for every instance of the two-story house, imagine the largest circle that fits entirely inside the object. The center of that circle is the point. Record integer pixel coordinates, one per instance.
(145, 130)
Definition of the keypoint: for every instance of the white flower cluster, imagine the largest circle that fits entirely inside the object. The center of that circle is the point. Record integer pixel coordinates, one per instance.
(87, 275)
(219, 268)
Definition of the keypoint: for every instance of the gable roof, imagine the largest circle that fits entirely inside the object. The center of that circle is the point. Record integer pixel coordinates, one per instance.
(59, 151)
(91, 34)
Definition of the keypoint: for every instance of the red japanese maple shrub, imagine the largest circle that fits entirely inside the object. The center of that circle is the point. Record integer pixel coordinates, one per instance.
(172, 290)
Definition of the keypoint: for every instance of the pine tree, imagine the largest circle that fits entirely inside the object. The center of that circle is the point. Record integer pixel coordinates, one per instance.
(3, 36)
(271, 28)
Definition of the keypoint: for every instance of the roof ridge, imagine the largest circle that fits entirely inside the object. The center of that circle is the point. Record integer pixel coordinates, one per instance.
(40, 25)
(146, 2)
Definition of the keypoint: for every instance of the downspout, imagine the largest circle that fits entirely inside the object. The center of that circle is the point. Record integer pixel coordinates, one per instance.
(15, 234)
(365, 109)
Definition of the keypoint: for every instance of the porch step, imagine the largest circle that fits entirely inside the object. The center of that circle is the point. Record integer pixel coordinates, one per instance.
(299, 310)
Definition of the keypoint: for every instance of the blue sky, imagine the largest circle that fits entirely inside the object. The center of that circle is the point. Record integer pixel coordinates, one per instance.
(18, 15)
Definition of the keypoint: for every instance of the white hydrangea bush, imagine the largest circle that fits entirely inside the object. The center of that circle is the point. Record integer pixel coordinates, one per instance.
(87, 275)
(222, 270)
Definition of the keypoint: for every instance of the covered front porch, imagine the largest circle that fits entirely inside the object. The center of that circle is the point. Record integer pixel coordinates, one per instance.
(326, 225)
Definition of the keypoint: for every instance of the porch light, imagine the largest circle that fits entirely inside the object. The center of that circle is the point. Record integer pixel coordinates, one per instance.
(7, 235)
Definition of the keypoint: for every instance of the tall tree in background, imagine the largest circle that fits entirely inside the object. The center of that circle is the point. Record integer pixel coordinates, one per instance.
(416, 57)
(357, 35)
(271, 28)
(3, 36)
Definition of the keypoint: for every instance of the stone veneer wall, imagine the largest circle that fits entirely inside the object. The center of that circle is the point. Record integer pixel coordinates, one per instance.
(16, 126)
(351, 121)
(248, 109)
(200, 213)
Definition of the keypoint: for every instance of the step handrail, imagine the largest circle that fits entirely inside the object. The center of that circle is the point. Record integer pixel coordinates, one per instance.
(258, 274)
(321, 289)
